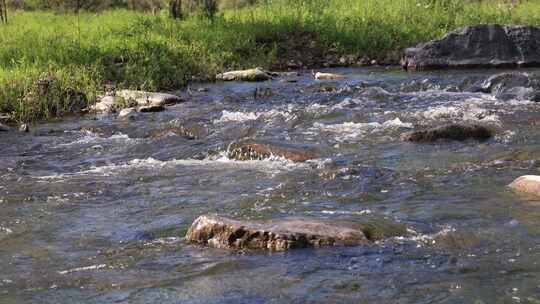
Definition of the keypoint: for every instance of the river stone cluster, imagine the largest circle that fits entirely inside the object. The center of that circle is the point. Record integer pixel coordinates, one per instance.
(277, 235)
(480, 46)
(130, 101)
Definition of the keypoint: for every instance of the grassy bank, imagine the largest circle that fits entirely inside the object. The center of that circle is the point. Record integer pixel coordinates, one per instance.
(48, 61)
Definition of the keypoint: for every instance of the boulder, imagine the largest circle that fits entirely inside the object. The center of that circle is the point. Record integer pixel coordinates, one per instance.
(506, 86)
(279, 235)
(503, 81)
(259, 151)
(527, 184)
(127, 113)
(256, 74)
(449, 132)
(328, 76)
(481, 46)
(106, 105)
(24, 128)
(142, 98)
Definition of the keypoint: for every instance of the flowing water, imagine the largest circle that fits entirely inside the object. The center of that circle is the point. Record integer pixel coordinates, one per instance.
(94, 210)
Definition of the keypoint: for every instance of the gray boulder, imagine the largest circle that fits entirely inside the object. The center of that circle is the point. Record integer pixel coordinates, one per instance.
(515, 85)
(481, 46)
(256, 74)
(142, 98)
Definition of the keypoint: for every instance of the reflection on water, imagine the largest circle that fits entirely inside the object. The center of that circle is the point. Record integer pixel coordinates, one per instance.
(94, 210)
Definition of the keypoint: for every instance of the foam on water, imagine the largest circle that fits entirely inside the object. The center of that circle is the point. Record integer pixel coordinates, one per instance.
(424, 239)
(93, 138)
(271, 165)
(228, 116)
(351, 130)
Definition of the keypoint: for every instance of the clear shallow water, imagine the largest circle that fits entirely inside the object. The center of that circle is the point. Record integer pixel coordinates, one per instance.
(94, 210)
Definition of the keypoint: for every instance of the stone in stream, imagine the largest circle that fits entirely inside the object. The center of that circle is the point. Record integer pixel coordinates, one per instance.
(459, 132)
(106, 105)
(256, 74)
(128, 113)
(480, 46)
(279, 235)
(187, 130)
(259, 151)
(527, 184)
(151, 108)
(142, 98)
(328, 76)
(507, 86)
(24, 128)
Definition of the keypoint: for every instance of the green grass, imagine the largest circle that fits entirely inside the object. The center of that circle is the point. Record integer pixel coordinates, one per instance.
(136, 50)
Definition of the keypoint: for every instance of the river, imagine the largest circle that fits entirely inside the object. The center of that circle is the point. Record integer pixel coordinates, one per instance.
(94, 209)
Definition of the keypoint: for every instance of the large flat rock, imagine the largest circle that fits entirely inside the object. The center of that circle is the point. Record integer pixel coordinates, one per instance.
(481, 46)
(283, 234)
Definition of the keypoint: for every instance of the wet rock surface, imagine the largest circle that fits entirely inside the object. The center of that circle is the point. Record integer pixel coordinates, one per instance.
(481, 46)
(328, 76)
(256, 74)
(128, 113)
(106, 105)
(457, 132)
(264, 150)
(94, 208)
(527, 184)
(279, 235)
(151, 108)
(143, 98)
(188, 130)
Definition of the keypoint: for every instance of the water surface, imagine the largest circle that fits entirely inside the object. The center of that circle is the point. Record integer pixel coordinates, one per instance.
(94, 210)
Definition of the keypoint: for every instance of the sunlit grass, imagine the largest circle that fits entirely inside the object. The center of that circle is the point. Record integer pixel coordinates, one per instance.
(143, 51)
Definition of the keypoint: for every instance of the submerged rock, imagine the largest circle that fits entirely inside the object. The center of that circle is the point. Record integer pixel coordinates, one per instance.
(259, 151)
(527, 184)
(151, 108)
(328, 76)
(481, 46)
(24, 128)
(142, 98)
(186, 130)
(220, 232)
(449, 132)
(256, 74)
